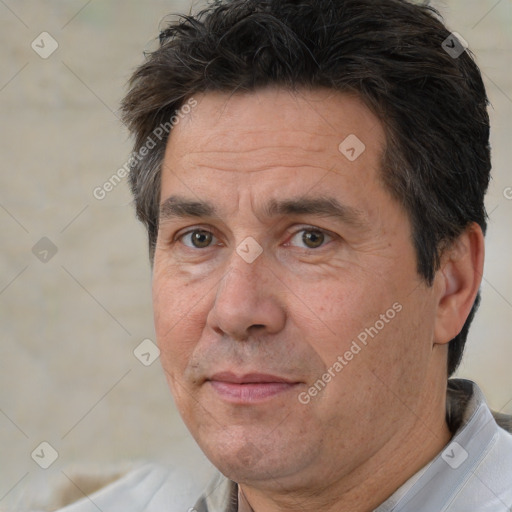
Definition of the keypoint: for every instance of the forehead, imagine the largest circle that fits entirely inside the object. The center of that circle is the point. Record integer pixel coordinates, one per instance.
(274, 143)
(272, 123)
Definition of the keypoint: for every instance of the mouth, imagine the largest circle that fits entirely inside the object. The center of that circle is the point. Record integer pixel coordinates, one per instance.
(249, 388)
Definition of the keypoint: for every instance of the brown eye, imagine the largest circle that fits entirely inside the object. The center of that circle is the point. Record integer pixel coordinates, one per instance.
(313, 239)
(310, 238)
(199, 238)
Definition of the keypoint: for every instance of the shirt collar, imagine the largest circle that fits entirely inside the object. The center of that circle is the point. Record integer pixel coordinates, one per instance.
(440, 480)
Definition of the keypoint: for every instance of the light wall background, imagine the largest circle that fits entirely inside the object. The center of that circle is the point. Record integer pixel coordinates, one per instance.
(69, 326)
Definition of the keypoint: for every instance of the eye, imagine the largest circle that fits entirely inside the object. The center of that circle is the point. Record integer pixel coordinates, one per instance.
(198, 238)
(312, 238)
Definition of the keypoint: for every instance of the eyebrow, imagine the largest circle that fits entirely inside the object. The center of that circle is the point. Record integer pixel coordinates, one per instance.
(181, 207)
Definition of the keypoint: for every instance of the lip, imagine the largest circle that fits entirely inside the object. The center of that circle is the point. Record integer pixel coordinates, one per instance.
(248, 378)
(249, 388)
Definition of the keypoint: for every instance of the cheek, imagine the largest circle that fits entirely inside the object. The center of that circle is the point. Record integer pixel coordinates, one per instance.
(175, 297)
(164, 308)
(178, 324)
(341, 309)
(399, 354)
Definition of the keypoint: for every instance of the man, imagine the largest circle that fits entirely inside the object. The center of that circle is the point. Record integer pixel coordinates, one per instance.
(312, 175)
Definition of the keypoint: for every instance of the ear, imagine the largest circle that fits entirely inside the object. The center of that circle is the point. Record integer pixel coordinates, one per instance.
(457, 283)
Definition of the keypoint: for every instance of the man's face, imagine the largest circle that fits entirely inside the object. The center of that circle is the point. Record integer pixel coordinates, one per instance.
(262, 286)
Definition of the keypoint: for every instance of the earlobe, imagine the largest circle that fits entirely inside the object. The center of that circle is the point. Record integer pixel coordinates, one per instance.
(458, 281)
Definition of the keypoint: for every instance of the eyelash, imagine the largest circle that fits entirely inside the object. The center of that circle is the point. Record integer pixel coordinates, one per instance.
(327, 234)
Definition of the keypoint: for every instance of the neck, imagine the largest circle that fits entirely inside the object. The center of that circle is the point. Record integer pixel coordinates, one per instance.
(370, 484)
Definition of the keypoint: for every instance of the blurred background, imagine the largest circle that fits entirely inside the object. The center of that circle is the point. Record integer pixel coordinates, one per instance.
(75, 301)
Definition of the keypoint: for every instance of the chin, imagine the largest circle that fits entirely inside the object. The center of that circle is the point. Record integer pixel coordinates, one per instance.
(244, 461)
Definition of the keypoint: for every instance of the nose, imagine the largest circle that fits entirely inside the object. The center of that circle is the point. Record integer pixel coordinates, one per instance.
(248, 301)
